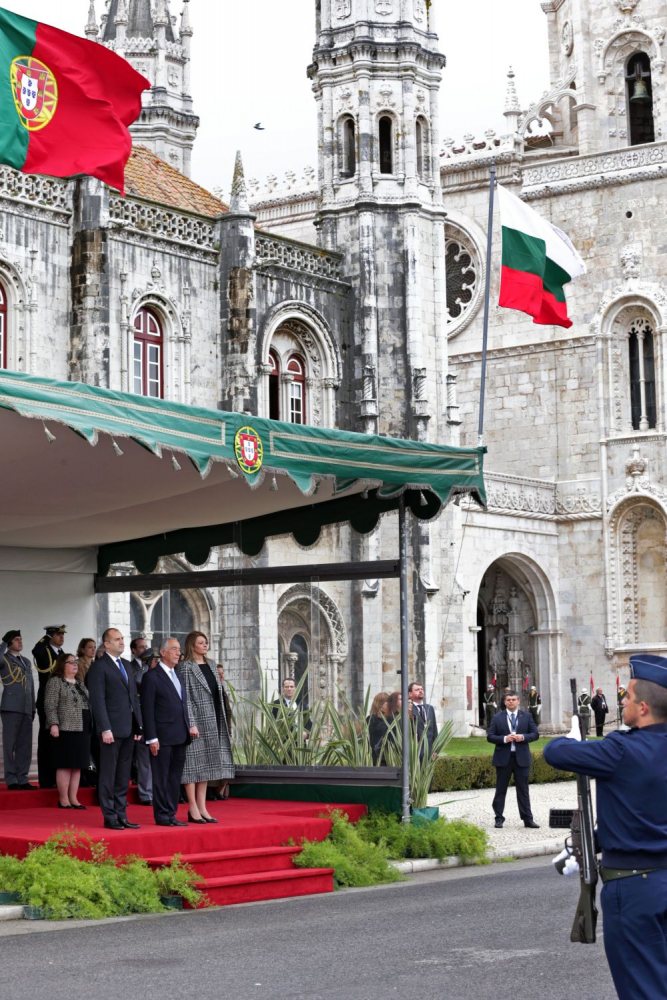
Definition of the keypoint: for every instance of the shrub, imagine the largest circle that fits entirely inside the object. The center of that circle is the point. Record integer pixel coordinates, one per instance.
(439, 839)
(455, 774)
(72, 875)
(356, 862)
(10, 873)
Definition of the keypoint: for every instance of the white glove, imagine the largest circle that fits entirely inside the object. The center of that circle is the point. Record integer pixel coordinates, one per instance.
(575, 731)
(566, 863)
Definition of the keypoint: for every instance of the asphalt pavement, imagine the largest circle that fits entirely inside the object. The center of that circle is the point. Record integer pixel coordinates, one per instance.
(498, 931)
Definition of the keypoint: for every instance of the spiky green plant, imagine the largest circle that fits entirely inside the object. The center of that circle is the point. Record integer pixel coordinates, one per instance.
(422, 763)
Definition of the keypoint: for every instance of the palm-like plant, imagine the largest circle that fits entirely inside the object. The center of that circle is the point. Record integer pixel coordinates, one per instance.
(422, 764)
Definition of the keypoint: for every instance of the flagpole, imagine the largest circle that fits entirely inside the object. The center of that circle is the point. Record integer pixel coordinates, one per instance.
(487, 292)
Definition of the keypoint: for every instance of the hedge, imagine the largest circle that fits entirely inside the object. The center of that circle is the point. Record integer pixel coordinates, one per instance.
(458, 774)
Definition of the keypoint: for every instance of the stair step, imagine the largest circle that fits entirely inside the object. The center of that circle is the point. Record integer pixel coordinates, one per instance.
(221, 864)
(251, 888)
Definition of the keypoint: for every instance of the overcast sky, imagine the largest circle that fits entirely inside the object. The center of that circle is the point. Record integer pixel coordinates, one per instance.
(249, 60)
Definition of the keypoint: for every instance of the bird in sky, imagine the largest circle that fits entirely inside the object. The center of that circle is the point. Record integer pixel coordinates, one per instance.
(259, 127)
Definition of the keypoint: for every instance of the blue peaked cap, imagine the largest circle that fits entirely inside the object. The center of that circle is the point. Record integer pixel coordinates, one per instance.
(646, 667)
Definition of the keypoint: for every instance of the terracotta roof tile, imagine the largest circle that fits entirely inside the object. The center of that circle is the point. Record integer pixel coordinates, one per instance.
(147, 176)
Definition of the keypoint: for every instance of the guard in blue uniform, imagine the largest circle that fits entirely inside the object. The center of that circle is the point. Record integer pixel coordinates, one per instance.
(630, 769)
(45, 653)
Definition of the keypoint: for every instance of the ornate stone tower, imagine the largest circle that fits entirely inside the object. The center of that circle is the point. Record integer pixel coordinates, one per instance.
(607, 62)
(376, 74)
(147, 39)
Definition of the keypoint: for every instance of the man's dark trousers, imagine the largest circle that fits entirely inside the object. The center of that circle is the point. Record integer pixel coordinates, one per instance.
(114, 777)
(521, 775)
(167, 768)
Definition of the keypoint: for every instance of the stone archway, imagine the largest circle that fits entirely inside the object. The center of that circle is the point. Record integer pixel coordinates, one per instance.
(311, 626)
(518, 637)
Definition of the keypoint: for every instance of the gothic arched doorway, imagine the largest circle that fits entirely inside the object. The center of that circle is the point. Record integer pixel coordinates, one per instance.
(312, 634)
(517, 641)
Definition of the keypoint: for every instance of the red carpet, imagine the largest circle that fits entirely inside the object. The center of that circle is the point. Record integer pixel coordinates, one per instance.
(242, 858)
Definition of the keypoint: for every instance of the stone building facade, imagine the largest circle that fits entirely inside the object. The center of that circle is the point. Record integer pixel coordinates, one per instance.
(357, 303)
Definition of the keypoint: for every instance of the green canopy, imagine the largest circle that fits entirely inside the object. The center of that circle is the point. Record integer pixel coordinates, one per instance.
(135, 494)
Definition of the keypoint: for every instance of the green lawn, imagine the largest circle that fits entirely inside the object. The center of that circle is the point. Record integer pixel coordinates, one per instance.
(477, 746)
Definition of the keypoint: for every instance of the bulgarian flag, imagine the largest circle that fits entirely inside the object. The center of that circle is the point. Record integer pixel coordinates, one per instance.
(65, 103)
(538, 260)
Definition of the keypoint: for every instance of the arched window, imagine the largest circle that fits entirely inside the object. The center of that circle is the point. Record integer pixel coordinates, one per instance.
(274, 387)
(386, 133)
(3, 327)
(642, 376)
(297, 390)
(148, 355)
(640, 99)
(421, 132)
(348, 159)
(172, 617)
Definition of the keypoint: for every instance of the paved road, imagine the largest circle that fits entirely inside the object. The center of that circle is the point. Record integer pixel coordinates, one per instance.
(468, 934)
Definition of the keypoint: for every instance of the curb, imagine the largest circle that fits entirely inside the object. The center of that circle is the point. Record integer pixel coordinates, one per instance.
(513, 851)
(11, 913)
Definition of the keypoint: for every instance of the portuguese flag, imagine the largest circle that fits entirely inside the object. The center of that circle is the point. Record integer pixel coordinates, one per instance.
(65, 102)
(538, 260)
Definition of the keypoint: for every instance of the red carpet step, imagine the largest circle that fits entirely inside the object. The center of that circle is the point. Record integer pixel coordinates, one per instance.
(246, 856)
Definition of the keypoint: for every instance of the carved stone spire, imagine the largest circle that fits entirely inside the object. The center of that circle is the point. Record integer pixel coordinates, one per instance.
(161, 14)
(91, 27)
(512, 107)
(186, 27)
(238, 204)
(121, 13)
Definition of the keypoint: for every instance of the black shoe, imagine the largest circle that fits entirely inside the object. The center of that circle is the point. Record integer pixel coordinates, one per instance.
(145, 802)
(61, 806)
(177, 822)
(531, 824)
(27, 787)
(499, 822)
(191, 819)
(125, 823)
(162, 822)
(79, 806)
(13, 788)
(110, 825)
(209, 819)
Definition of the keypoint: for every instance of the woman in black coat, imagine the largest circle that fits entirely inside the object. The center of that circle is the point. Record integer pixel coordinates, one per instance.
(377, 725)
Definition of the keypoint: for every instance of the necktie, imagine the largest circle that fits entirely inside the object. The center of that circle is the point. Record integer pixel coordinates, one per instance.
(122, 669)
(175, 682)
(422, 713)
(513, 721)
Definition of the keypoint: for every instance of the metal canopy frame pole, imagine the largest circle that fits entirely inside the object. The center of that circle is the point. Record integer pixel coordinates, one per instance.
(405, 718)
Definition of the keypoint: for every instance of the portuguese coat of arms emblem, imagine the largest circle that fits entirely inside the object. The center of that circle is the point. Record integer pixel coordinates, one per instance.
(248, 449)
(35, 92)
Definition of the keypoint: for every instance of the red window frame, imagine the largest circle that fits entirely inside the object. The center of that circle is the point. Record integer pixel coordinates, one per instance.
(148, 334)
(296, 367)
(3, 326)
(274, 386)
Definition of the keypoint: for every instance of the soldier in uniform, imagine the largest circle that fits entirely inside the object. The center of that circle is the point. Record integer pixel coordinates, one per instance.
(631, 783)
(584, 709)
(45, 652)
(535, 704)
(619, 701)
(490, 706)
(18, 711)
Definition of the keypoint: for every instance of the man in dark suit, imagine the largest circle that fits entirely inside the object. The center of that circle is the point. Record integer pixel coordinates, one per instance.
(167, 731)
(45, 652)
(600, 709)
(142, 758)
(115, 706)
(423, 715)
(512, 731)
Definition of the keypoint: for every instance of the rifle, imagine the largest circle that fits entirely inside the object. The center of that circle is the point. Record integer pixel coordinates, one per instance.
(582, 845)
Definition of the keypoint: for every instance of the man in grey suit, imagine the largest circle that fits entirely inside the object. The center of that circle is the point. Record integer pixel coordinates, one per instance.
(18, 711)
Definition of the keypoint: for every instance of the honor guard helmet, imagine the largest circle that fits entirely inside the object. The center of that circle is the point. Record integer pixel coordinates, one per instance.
(52, 629)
